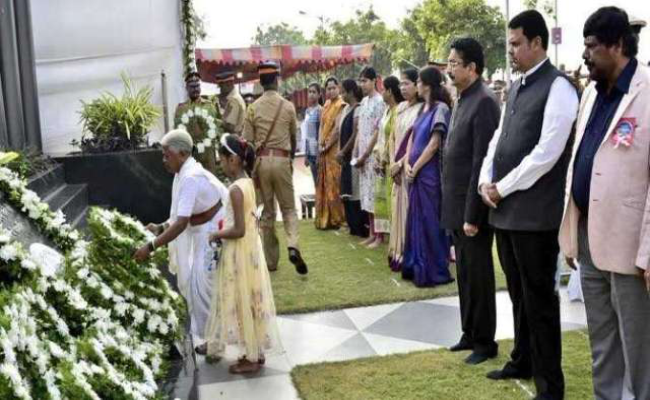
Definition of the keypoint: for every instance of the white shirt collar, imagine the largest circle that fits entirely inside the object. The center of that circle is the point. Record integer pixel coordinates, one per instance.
(532, 71)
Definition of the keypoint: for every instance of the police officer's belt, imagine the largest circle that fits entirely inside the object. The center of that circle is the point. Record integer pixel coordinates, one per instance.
(275, 153)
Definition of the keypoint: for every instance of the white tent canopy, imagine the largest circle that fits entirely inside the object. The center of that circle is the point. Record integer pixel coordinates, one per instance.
(81, 47)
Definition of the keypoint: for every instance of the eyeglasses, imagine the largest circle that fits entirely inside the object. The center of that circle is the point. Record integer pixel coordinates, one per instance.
(454, 63)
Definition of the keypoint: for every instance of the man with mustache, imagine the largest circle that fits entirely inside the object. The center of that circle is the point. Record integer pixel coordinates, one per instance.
(606, 224)
(474, 119)
(522, 179)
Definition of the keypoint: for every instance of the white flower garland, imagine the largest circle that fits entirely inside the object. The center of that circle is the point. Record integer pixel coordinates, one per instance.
(27, 308)
(53, 223)
(200, 114)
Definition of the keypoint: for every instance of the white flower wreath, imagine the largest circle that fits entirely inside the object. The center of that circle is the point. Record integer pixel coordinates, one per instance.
(199, 115)
(22, 330)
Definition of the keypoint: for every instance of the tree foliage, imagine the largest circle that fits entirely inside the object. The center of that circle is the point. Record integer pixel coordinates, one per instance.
(424, 34)
(364, 27)
(282, 33)
(438, 22)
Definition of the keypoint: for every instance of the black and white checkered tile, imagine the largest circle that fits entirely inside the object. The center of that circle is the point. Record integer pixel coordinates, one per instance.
(350, 334)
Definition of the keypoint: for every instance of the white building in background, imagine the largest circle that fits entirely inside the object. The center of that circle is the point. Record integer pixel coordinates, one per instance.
(81, 47)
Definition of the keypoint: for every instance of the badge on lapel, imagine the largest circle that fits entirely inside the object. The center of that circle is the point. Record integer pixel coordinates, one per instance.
(624, 132)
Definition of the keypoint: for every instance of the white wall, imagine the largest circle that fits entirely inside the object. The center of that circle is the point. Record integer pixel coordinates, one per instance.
(82, 46)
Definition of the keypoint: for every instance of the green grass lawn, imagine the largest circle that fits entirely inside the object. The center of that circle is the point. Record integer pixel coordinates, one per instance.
(343, 274)
(435, 375)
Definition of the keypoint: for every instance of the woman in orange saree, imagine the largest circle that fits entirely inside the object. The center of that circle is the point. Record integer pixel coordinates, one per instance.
(329, 208)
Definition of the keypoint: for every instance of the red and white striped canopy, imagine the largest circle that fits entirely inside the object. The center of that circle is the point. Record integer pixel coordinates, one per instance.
(291, 58)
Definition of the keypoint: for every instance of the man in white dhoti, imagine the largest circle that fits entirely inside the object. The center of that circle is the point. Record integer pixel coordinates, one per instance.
(196, 210)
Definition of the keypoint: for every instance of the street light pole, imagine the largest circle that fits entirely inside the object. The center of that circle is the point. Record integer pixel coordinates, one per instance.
(556, 45)
(507, 54)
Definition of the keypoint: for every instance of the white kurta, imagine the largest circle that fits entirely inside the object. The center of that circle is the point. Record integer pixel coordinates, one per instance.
(194, 191)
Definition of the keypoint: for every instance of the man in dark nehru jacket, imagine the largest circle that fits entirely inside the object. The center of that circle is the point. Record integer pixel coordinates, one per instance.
(523, 179)
(271, 126)
(474, 119)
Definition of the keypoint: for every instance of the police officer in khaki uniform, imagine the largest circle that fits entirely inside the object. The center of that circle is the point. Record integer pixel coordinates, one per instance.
(205, 155)
(271, 126)
(233, 107)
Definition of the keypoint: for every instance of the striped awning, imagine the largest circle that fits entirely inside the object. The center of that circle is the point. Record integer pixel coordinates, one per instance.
(291, 58)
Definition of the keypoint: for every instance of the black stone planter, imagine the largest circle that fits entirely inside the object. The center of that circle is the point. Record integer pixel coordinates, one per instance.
(133, 182)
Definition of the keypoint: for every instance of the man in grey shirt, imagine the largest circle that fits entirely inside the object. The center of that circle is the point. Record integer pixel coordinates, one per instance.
(474, 120)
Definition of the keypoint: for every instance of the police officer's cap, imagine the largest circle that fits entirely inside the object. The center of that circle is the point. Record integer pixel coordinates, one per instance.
(268, 68)
(191, 76)
(225, 77)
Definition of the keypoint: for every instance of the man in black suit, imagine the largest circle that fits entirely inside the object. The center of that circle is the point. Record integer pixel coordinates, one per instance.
(474, 120)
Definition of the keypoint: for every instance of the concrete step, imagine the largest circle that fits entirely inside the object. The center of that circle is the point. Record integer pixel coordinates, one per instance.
(81, 223)
(72, 200)
(48, 181)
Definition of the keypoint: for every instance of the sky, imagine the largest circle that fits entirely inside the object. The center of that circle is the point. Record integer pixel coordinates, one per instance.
(233, 23)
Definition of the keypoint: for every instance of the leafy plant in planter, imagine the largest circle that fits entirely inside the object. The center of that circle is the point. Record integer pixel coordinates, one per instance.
(116, 123)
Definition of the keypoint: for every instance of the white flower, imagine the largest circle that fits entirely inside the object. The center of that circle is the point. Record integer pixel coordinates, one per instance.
(181, 126)
(212, 134)
(207, 142)
(83, 273)
(190, 113)
(28, 264)
(9, 252)
(153, 323)
(185, 119)
(56, 350)
(138, 316)
(4, 238)
(121, 308)
(200, 148)
(106, 292)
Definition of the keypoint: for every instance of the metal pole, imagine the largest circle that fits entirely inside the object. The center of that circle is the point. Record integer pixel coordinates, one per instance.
(10, 70)
(163, 79)
(508, 73)
(28, 85)
(556, 45)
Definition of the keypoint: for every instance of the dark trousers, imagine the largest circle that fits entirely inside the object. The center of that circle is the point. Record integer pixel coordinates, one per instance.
(313, 166)
(529, 261)
(357, 219)
(475, 275)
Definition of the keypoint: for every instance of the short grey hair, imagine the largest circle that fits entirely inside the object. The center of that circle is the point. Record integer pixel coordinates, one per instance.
(179, 140)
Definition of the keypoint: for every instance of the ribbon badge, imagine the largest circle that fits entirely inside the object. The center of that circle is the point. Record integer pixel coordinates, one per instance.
(624, 132)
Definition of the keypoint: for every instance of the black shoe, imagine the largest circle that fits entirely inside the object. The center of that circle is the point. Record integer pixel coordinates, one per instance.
(478, 358)
(296, 259)
(508, 372)
(462, 345)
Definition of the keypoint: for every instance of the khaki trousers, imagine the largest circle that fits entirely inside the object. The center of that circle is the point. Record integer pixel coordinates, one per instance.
(276, 182)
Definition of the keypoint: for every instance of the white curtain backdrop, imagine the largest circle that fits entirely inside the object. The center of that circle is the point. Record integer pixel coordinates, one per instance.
(81, 47)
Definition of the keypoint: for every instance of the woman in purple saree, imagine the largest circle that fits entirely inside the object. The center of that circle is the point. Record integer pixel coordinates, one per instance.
(426, 252)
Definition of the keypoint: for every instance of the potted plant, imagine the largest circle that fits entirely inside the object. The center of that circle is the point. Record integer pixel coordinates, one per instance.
(116, 123)
(115, 163)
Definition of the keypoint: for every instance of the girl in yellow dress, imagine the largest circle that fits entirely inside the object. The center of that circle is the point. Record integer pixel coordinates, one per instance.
(243, 311)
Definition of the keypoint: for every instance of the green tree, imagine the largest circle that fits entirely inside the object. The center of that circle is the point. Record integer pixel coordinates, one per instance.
(438, 22)
(364, 27)
(285, 34)
(278, 34)
(411, 50)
